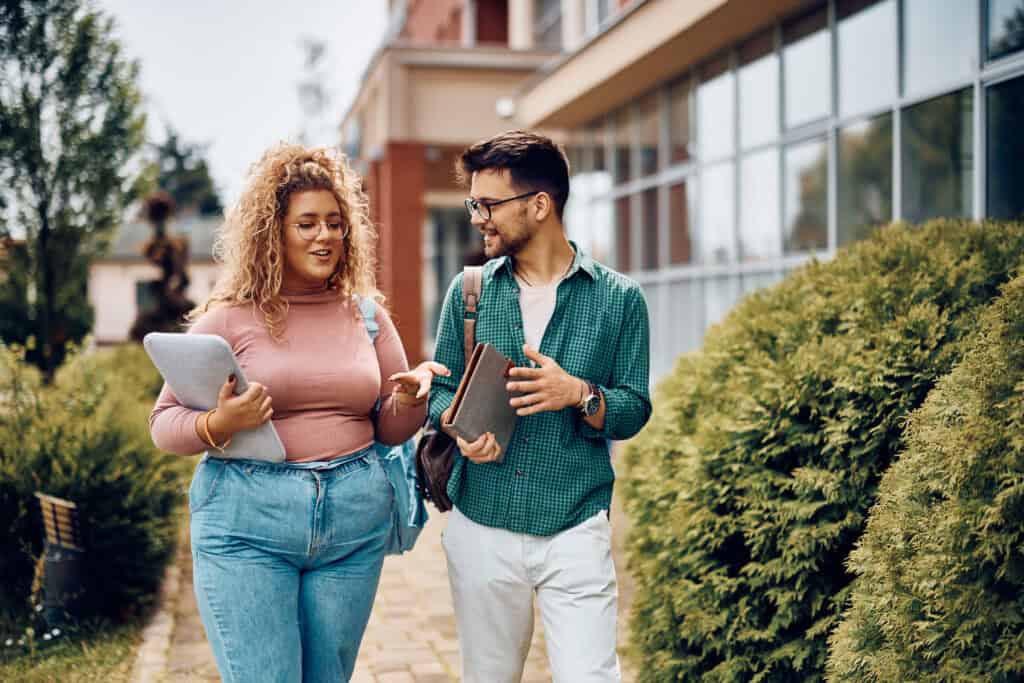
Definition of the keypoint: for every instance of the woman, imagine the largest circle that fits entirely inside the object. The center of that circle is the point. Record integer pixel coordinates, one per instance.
(286, 557)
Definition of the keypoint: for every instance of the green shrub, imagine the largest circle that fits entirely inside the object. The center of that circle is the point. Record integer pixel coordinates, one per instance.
(939, 593)
(751, 487)
(86, 438)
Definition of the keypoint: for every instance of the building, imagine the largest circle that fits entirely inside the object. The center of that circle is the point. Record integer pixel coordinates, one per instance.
(717, 144)
(117, 280)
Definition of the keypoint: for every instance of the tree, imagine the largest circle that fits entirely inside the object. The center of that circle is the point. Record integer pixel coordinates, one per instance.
(181, 170)
(70, 125)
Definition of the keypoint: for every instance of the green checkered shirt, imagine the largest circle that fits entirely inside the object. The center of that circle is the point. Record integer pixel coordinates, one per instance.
(557, 471)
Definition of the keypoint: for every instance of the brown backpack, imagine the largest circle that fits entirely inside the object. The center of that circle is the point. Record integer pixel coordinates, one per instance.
(435, 452)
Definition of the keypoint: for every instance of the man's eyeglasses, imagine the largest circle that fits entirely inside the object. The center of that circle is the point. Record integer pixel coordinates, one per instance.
(309, 229)
(482, 207)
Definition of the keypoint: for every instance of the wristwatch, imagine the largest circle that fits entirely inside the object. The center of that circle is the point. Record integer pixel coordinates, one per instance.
(591, 402)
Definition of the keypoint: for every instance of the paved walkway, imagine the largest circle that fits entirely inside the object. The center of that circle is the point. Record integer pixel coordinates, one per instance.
(411, 635)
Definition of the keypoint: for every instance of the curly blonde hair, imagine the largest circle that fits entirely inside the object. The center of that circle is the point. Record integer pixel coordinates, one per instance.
(249, 244)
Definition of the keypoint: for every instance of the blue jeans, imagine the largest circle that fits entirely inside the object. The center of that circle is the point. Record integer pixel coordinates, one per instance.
(286, 560)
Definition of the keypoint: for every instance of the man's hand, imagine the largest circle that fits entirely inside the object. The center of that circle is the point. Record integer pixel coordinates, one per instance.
(413, 386)
(544, 388)
(484, 449)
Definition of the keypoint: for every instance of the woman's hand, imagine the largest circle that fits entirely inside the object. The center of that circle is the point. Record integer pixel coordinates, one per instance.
(413, 386)
(234, 414)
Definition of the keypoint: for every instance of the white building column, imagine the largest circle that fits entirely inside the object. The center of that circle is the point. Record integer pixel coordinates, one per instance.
(574, 24)
(520, 24)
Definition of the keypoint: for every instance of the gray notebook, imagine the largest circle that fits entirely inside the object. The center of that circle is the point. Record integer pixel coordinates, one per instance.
(481, 401)
(195, 366)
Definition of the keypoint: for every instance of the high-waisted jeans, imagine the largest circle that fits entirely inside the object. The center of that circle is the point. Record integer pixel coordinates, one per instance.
(286, 561)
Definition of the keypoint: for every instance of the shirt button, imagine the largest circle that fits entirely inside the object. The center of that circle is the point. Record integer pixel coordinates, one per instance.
(519, 473)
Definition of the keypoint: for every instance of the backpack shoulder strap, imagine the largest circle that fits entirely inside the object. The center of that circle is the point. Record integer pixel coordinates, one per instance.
(472, 287)
(368, 309)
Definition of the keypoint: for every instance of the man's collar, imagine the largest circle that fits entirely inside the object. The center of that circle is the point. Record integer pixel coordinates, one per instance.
(580, 261)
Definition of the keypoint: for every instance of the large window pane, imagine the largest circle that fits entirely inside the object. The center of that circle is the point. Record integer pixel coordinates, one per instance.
(597, 137)
(867, 55)
(679, 212)
(1005, 27)
(623, 235)
(679, 116)
(649, 129)
(687, 323)
(938, 158)
(720, 295)
(717, 214)
(759, 92)
(806, 168)
(760, 236)
(547, 24)
(807, 64)
(623, 145)
(716, 103)
(865, 177)
(601, 231)
(940, 47)
(649, 204)
(1006, 150)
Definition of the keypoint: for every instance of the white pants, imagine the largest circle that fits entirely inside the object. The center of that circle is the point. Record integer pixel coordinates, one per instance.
(494, 574)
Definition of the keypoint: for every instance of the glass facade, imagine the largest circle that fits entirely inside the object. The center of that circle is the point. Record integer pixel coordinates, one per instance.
(800, 138)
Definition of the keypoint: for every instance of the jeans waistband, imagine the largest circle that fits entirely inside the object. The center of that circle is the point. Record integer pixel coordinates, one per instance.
(317, 465)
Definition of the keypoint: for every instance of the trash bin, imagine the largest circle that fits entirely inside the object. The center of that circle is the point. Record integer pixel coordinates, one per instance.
(62, 560)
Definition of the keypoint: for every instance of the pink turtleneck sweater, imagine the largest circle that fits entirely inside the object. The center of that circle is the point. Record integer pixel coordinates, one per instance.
(324, 379)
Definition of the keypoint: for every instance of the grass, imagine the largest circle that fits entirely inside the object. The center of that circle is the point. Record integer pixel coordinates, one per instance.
(94, 651)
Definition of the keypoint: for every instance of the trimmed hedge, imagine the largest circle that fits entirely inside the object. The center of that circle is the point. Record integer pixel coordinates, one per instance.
(86, 438)
(939, 594)
(752, 483)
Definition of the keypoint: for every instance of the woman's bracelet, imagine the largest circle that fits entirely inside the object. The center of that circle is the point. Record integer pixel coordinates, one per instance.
(205, 419)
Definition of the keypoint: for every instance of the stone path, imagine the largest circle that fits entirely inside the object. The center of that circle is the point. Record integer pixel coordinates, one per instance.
(411, 635)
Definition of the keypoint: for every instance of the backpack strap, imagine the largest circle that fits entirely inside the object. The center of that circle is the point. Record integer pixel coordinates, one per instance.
(368, 309)
(472, 286)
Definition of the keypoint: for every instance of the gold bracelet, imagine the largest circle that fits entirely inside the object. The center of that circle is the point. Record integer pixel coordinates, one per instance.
(209, 437)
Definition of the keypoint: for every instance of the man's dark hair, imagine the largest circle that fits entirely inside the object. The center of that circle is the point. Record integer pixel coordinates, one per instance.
(533, 161)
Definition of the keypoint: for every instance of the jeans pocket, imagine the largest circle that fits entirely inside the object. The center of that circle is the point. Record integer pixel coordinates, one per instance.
(205, 484)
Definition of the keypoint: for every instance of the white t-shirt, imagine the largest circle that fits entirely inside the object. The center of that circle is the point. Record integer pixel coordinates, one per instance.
(537, 304)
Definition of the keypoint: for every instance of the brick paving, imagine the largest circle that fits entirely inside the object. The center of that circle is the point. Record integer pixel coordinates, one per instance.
(411, 635)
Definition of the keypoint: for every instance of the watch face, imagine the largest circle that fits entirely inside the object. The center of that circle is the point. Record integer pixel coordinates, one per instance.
(592, 406)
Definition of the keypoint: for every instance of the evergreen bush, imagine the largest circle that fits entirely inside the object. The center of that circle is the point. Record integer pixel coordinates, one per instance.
(939, 593)
(750, 488)
(86, 438)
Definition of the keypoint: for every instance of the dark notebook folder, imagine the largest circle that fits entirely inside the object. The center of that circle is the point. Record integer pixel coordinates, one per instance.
(481, 401)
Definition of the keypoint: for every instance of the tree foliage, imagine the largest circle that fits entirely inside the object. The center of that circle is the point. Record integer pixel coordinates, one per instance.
(939, 593)
(753, 482)
(70, 125)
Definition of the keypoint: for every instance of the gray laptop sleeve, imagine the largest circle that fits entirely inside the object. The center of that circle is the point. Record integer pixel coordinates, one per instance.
(195, 366)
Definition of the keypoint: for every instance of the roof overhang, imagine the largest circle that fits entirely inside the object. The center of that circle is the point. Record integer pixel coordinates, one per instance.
(651, 42)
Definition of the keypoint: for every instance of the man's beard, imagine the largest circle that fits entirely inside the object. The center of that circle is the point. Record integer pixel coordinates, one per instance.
(506, 244)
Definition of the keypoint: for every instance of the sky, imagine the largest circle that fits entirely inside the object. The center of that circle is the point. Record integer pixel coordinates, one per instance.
(225, 73)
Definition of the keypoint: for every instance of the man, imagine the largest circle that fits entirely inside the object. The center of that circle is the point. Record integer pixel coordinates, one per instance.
(534, 520)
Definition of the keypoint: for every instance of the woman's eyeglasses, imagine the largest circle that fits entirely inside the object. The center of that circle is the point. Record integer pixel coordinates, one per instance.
(309, 229)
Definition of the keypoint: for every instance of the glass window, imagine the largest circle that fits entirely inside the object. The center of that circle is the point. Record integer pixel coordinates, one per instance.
(649, 129)
(679, 115)
(938, 158)
(755, 281)
(1005, 27)
(1005, 147)
(623, 235)
(680, 246)
(717, 214)
(759, 92)
(760, 236)
(867, 55)
(940, 47)
(807, 65)
(453, 243)
(649, 202)
(686, 327)
(597, 137)
(865, 177)
(806, 198)
(547, 24)
(623, 145)
(716, 103)
(720, 295)
(601, 231)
